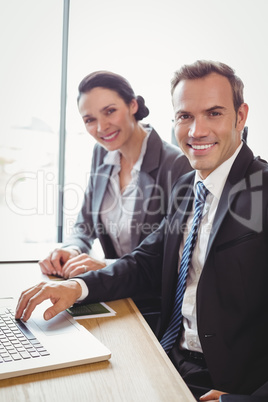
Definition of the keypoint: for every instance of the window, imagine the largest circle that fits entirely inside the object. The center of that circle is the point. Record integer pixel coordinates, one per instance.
(145, 41)
(30, 42)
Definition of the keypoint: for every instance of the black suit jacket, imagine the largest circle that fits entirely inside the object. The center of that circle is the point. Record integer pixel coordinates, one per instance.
(242, 398)
(232, 296)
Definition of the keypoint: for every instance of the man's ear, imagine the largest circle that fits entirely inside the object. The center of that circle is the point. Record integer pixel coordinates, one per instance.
(242, 115)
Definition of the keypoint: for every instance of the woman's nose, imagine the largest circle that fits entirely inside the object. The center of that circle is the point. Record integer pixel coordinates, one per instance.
(102, 125)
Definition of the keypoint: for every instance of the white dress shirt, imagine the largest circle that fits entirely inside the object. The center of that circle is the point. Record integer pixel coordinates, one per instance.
(214, 183)
(117, 207)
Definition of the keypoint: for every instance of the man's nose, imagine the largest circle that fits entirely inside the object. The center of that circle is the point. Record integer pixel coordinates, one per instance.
(199, 128)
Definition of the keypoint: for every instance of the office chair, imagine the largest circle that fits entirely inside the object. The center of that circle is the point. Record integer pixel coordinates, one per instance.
(245, 134)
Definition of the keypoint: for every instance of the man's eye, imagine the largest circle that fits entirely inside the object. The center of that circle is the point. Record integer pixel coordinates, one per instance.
(214, 113)
(182, 117)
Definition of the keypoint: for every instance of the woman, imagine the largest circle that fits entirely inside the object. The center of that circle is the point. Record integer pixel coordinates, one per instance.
(132, 174)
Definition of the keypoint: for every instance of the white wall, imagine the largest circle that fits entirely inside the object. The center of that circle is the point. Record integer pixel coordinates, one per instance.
(144, 40)
(147, 40)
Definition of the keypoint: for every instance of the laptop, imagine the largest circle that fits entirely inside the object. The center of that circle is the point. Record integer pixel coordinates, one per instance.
(40, 345)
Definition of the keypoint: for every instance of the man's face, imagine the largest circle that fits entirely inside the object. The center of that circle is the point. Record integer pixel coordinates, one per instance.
(207, 128)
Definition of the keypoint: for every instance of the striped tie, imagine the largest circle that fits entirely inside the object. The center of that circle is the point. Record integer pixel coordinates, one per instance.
(173, 329)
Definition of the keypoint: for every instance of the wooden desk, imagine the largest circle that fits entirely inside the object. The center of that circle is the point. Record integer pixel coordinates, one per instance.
(138, 370)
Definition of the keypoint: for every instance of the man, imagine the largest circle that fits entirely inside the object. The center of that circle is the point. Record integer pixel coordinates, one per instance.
(220, 338)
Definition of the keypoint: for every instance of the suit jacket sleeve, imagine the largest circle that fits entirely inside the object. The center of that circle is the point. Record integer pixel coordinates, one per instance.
(242, 398)
(261, 395)
(136, 272)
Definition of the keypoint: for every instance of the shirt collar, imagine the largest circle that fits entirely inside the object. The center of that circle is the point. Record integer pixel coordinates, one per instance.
(113, 157)
(216, 179)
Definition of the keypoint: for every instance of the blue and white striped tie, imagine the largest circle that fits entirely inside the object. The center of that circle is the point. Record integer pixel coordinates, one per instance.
(173, 329)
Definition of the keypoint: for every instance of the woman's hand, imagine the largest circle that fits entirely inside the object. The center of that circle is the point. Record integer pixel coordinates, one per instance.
(81, 264)
(212, 396)
(52, 265)
(62, 295)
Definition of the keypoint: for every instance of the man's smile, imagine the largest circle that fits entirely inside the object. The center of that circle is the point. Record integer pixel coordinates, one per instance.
(201, 147)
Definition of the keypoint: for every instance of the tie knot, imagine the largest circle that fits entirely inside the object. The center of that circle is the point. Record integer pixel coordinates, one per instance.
(201, 192)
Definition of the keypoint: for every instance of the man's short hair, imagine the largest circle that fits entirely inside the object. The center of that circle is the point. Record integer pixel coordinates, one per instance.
(202, 68)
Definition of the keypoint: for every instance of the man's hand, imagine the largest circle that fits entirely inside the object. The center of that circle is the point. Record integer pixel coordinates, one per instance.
(81, 264)
(61, 294)
(212, 396)
(53, 263)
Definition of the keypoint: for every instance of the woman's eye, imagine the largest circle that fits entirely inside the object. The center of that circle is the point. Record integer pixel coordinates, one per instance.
(110, 111)
(88, 121)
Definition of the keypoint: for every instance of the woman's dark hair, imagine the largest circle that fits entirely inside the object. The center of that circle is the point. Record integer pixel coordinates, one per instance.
(117, 83)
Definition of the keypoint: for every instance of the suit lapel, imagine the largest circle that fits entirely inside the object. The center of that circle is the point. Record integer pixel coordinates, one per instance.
(145, 187)
(101, 180)
(173, 240)
(146, 183)
(235, 182)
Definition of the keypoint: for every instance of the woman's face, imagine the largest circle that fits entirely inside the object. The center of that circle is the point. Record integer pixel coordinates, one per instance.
(107, 117)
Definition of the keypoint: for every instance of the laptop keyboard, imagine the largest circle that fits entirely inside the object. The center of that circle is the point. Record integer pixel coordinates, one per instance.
(16, 341)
